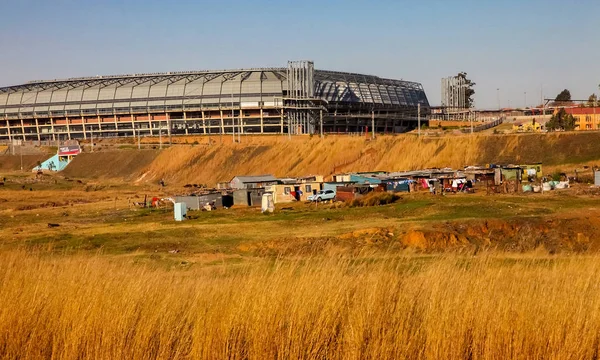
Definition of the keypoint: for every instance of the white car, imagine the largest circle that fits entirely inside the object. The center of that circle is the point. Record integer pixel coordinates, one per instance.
(322, 195)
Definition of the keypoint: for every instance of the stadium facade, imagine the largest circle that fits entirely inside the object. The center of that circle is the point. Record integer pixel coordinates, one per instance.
(296, 99)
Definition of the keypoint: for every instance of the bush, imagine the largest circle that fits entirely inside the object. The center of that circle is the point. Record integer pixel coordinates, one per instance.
(556, 176)
(375, 199)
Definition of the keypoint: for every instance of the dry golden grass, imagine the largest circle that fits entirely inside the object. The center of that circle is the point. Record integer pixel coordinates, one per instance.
(209, 164)
(448, 307)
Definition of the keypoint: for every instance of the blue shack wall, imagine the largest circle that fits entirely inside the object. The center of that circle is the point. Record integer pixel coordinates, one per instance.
(397, 185)
(359, 179)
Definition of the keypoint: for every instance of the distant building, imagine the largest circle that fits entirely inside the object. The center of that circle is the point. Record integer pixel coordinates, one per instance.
(530, 125)
(453, 92)
(586, 118)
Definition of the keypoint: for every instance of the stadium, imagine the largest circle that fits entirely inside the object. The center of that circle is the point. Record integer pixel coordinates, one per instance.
(297, 99)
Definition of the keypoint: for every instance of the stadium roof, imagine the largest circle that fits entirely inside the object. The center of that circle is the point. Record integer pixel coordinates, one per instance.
(171, 77)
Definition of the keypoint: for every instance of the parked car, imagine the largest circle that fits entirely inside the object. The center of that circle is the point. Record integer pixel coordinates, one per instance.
(322, 195)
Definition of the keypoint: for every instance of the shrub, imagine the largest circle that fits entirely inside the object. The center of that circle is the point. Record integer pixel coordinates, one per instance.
(375, 199)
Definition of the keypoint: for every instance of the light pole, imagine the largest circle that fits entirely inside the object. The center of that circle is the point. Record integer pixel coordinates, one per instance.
(419, 120)
(92, 136)
(498, 96)
(525, 102)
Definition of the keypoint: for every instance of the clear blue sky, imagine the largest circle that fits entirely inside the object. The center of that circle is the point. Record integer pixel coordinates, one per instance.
(515, 45)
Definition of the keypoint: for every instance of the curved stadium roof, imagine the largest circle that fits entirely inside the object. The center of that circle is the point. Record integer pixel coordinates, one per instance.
(200, 88)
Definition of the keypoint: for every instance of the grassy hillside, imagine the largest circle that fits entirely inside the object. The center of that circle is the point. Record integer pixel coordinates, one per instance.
(209, 164)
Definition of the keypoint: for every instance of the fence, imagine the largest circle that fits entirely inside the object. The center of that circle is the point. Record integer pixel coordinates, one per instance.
(485, 126)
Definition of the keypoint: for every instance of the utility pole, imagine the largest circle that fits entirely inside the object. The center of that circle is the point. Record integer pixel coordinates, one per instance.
(373, 124)
(525, 103)
(160, 133)
(321, 123)
(543, 102)
(21, 152)
(419, 120)
(92, 137)
(498, 95)
(471, 120)
(139, 144)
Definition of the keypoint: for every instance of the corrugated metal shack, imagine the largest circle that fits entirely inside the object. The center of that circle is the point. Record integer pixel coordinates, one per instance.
(347, 193)
(248, 197)
(252, 182)
(334, 185)
(397, 184)
(371, 177)
(196, 202)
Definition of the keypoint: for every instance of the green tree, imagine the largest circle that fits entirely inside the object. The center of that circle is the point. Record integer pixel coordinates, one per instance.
(592, 100)
(469, 92)
(561, 121)
(563, 96)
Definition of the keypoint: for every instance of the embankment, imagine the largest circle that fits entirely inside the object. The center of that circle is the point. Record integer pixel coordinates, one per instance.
(123, 164)
(13, 162)
(216, 162)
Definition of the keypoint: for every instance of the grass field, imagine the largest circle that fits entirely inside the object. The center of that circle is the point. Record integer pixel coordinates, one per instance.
(389, 307)
(445, 277)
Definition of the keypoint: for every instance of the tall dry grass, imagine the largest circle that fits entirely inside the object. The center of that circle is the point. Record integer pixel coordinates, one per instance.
(435, 308)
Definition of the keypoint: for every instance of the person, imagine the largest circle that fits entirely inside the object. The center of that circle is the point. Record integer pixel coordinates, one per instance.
(432, 187)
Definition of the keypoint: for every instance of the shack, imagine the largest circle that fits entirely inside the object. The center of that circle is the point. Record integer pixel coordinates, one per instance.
(196, 202)
(347, 193)
(288, 192)
(252, 182)
(248, 197)
(359, 177)
(397, 185)
(532, 172)
(334, 185)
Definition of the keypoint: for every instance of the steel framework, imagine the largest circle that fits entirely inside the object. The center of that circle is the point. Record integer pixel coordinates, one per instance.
(293, 100)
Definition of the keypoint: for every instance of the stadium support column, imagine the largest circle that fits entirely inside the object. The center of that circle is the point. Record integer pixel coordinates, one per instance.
(8, 128)
(52, 129)
(83, 126)
(185, 122)
(115, 122)
(168, 127)
(262, 123)
(321, 123)
(335, 122)
(223, 122)
(37, 128)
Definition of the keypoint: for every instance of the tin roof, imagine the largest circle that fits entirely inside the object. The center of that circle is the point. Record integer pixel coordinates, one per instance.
(255, 178)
